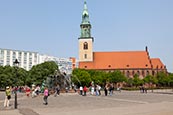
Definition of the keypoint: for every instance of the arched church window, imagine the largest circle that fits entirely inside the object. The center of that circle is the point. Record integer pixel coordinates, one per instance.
(85, 56)
(128, 74)
(123, 72)
(153, 73)
(138, 73)
(133, 73)
(85, 46)
(143, 73)
(148, 72)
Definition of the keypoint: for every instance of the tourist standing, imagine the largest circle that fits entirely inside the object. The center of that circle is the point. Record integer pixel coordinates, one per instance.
(106, 90)
(85, 90)
(57, 90)
(110, 89)
(46, 94)
(7, 96)
(99, 89)
(37, 90)
(81, 90)
(92, 90)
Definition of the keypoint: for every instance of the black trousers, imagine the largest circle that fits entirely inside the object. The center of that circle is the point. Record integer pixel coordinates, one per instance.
(106, 92)
(45, 99)
(81, 92)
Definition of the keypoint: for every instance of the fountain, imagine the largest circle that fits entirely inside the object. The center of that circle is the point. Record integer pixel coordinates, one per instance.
(61, 79)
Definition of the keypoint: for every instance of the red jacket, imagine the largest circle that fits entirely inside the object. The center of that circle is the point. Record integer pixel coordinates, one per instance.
(85, 88)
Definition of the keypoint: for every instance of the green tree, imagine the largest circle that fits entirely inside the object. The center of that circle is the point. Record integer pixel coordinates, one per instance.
(81, 77)
(40, 72)
(137, 81)
(7, 76)
(75, 75)
(15, 76)
(150, 79)
(11, 75)
(163, 79)
(116, 77)
(130, 82)
(3, 80)
(97, 76)
(171, 79)
(22, 76)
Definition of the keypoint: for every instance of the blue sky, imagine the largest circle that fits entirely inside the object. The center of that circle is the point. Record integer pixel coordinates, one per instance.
(53, 26)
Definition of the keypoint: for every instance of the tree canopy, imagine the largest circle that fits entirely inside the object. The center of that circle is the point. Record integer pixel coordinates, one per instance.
(15, 76)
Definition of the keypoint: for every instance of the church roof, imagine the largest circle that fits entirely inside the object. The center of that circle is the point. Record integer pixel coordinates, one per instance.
(157, 64)
(118, 60)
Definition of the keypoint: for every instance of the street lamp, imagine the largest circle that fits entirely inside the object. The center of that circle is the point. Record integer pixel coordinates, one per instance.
(55, 76)
(16, 64)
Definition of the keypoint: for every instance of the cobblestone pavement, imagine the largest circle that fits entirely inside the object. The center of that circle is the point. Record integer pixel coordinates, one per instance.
(74, 102)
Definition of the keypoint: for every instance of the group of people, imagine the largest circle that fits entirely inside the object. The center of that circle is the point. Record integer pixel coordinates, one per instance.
(34, 91)
(96, 90)
(143, 89)
(9, 91)
(83, 90)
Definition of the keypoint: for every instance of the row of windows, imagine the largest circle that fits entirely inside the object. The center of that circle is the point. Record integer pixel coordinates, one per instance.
(132, 73)
(143, 73)
(19, 59)
(15, 52)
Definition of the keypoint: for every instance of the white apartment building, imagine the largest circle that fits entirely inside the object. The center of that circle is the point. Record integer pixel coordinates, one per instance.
(26, 58)
(64, 64)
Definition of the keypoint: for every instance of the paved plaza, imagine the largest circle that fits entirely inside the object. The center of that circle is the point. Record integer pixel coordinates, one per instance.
(125, 103)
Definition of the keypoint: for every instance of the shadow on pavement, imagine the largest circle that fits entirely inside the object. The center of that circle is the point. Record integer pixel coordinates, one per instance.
(26, 111)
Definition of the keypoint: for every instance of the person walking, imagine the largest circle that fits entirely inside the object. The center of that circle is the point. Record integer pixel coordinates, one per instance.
(28, 91)
(7, 97)
(57, 90)
(46, 94)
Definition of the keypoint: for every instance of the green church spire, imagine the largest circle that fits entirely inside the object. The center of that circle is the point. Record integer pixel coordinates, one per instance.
(85, 25)
(85, 14)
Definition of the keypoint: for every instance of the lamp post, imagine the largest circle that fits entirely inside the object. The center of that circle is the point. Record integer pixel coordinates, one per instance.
(16, 63)
(55, 76)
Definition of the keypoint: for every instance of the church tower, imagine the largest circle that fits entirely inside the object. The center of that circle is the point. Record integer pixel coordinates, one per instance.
(85, 40)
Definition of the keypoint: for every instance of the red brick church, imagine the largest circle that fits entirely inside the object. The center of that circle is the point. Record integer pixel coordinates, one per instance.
(128, 62)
